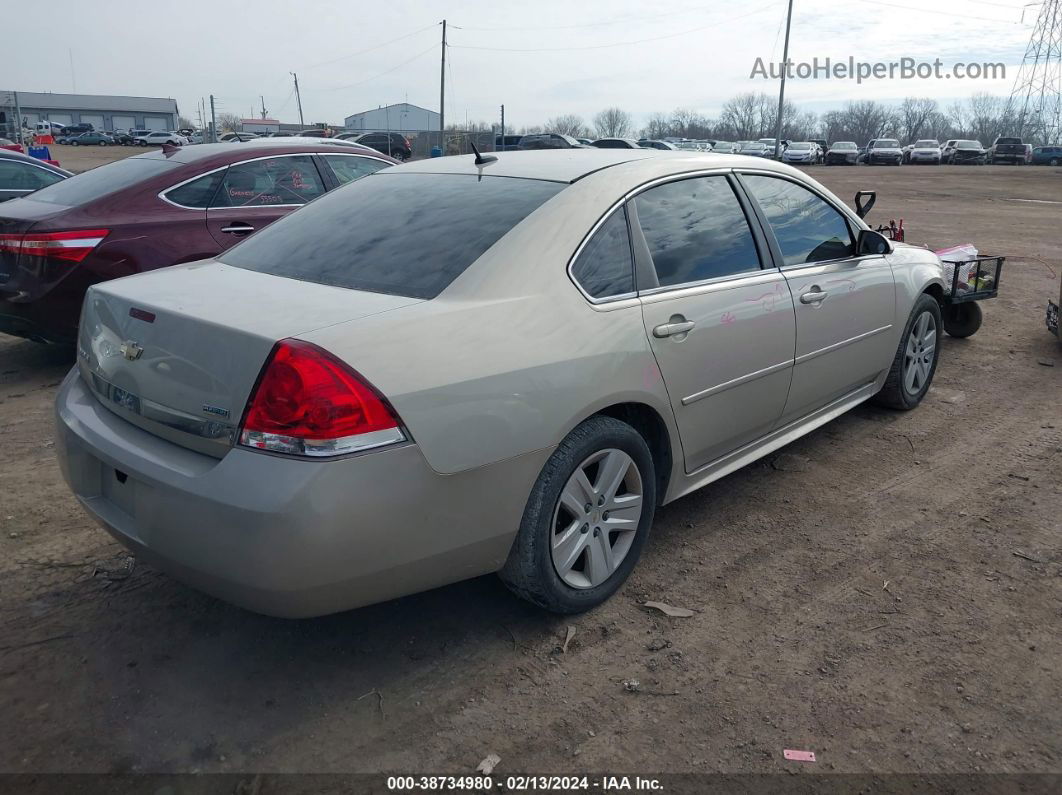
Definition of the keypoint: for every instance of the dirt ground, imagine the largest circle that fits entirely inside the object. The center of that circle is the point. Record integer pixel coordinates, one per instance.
(82, 158)
(887, 592)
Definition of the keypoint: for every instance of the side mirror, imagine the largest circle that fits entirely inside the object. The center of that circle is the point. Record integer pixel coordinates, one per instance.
(873, 243)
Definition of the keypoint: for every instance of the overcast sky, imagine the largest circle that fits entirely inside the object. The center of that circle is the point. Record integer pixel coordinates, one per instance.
(540, 58)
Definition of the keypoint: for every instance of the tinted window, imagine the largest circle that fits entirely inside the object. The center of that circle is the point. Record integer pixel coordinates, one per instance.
(610, 144)
(197, 193)
(397, 233)
(102, 180)
(605, 266)
(24, 176)
(696, 230)
(807, 228)
(348, 168)
(269, 182)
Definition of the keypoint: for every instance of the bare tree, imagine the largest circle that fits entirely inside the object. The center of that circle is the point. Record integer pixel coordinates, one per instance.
(184, 123)
(229, 122)
(915, 114)
(613, 123)
(568, 124)
(743, 114)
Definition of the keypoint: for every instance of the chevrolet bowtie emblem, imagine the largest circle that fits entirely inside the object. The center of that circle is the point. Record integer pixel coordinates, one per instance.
(130, 350)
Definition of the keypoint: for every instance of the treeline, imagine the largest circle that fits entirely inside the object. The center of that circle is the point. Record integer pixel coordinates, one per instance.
(752, 115)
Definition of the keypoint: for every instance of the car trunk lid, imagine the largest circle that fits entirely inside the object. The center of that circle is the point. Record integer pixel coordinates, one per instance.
(178, 351)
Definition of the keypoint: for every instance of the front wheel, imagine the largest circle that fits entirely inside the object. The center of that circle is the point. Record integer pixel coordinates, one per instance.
(915, 361)
(586, 520)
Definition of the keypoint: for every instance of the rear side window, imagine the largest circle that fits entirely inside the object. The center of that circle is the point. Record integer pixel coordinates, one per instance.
(696, 230)
(396, 233)
(271, 181)
(198, 192)
(605, 267)
(348, 168)
(807, 228)
(15, 175)
(103, 180)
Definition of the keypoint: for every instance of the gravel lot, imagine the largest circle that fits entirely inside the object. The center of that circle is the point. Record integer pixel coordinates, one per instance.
(885, 592)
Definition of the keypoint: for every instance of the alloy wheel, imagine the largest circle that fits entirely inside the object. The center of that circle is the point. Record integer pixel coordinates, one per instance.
(596, 518)
(918, 356)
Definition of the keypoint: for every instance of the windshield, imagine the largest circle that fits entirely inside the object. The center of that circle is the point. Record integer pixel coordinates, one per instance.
(1009, 141)
(886, 143)
(800, 147)
(926, 145)
(841, 145)
(410, 234)
(968, 145)
(102, 180)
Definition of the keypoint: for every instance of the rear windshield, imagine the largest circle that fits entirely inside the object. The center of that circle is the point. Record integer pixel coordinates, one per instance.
(403, 234)
(102, 180)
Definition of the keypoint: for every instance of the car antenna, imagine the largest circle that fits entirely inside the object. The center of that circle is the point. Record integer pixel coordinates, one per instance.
(482, 160)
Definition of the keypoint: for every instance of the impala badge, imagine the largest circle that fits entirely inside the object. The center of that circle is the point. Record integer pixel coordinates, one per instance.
(130, 350)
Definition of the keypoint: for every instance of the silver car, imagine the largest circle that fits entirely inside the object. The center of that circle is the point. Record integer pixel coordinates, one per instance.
(451, 368)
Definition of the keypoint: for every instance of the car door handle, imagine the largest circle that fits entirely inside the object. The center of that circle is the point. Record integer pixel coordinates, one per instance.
(816, 296)
(671, 329)
(238, 228)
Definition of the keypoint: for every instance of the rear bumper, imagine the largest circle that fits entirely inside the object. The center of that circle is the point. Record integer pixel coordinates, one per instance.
(38, 321)
(283, 536)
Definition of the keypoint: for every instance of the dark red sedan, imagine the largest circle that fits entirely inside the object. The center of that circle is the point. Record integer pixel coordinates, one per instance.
(179, 204)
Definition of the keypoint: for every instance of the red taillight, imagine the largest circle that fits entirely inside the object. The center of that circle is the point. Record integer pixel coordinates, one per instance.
(308, 402)
(67, 246)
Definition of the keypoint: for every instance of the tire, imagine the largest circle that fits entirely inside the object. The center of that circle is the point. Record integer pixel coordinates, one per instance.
(530, 571)
(963, 320)
(75, 143)
(899, 391)
(1053, 161)
(103, 143)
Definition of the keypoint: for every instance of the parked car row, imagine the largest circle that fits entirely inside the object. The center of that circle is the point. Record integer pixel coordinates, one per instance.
(314, 419)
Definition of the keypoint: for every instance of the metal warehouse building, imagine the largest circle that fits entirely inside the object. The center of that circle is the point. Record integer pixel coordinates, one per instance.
(102, 112)
(402, 117)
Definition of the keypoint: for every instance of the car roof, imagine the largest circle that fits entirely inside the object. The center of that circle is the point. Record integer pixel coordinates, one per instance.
(11, 154)
(556, 165)
(223, 152)
(571, 165)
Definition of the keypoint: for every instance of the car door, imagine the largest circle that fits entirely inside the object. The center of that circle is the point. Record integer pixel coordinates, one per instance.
(254, 193)
(845, 304)
(717, 313)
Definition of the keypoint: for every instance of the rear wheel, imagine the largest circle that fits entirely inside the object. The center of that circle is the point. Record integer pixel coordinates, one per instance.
(1053, 161)
(963, 320)
(586, 520)
(916, 357)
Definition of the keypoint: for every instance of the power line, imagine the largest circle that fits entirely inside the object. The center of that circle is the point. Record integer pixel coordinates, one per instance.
(371, 49)
(714, 23)
(381, 74)
(951, 14)
(620, 20)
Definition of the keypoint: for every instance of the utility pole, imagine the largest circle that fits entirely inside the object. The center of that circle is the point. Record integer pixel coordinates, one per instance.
(502, 129)
(781, 90)
(298, 99)
(442, 92)
(18, 118)
(213, 122)
(264, 111)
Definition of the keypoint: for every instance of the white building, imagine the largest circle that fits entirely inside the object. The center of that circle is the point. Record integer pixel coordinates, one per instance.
(402, 117)
(260, 125)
